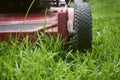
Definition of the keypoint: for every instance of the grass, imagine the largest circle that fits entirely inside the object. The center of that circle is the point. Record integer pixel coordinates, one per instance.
(45, 61)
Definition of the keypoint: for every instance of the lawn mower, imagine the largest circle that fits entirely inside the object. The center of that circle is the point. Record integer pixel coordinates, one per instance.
(52, 17)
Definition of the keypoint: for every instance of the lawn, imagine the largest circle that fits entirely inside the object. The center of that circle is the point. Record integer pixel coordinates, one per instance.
(48, 60)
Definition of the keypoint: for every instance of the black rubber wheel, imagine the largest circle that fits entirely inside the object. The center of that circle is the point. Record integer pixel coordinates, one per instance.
(78, 1)
(82, 38)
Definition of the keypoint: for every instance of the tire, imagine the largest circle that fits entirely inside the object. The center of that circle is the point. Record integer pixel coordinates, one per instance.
(82, 38)
(78, 1)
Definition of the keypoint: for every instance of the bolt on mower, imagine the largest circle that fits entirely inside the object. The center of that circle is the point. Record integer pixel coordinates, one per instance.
(53, 17)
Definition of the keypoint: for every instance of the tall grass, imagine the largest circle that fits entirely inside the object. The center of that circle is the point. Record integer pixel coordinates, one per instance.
(46, 59)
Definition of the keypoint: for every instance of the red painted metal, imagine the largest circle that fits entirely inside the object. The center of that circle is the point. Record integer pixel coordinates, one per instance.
(56, 24)
(62, 25)
(31, 18)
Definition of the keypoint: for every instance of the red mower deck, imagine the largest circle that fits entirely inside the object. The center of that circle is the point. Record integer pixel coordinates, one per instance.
(55, 23)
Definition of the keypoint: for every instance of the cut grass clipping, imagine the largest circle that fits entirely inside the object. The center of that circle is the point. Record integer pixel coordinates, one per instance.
(44, 61)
